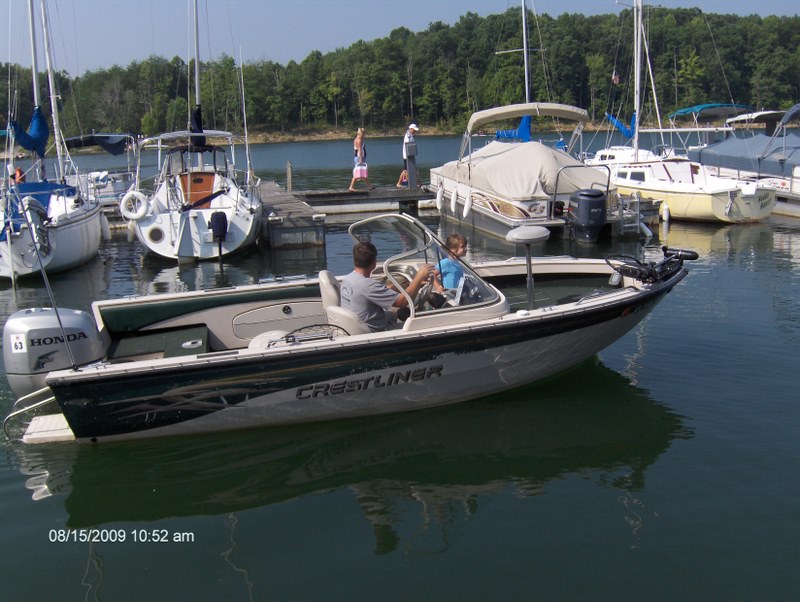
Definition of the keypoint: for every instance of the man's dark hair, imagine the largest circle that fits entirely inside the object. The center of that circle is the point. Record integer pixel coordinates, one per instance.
(364, 254)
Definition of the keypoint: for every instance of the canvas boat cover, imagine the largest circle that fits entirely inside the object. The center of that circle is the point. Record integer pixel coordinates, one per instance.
(713, 110)
(114, 144)
(520, 171)
(760, 153)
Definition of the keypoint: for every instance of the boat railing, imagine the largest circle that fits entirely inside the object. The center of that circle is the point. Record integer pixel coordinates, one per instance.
(27, 404)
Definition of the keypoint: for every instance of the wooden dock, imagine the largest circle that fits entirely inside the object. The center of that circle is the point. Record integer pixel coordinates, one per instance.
(297, 219)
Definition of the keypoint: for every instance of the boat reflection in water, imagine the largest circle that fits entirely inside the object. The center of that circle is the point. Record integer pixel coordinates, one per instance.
(441, 461)
(732, 240)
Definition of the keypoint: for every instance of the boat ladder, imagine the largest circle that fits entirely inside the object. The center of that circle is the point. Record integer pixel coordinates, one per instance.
(26, 404)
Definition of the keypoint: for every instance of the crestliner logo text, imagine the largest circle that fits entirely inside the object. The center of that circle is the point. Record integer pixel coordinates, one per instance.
(47, 341)
(370, 382)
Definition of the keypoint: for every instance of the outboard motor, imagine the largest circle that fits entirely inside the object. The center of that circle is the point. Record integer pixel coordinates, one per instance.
(33, 345)
(586, 214)
(219, 225)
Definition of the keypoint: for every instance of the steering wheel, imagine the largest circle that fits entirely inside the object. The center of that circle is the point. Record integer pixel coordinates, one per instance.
(626, 265)
(423, 294)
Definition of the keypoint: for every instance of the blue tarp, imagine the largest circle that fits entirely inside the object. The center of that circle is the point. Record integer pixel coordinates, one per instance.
(35, 139)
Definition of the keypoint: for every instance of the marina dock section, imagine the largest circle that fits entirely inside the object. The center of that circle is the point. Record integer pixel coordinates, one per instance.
(297, 219)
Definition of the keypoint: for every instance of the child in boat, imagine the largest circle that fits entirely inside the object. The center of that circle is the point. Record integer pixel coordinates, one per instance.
(449, 268)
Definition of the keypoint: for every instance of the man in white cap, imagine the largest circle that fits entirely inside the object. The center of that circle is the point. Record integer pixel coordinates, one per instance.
(409, 137)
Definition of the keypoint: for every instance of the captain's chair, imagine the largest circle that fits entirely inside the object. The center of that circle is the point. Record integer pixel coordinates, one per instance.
(344, 318)
(329, 288)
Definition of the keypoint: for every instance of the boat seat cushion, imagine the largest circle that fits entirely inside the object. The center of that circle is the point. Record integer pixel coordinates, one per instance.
(346, 319)
(329, 289)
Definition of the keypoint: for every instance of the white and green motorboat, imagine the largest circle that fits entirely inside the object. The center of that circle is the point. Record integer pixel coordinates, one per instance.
(285, 352)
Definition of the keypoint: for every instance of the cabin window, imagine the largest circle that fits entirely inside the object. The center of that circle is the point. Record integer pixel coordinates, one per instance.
(637, 176)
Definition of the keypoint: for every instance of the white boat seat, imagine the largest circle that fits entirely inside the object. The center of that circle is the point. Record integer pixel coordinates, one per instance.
(344, 318)
(329, 288)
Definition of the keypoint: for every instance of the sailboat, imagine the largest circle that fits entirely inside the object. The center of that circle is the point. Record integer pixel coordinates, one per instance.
(198, 208)
(47, 225)
(686, 189)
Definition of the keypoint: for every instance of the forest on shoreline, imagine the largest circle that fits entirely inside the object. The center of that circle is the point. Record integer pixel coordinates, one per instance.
(439, 76)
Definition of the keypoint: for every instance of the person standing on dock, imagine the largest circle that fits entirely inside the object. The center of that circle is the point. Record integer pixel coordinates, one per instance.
(409, 153)
(360, 169)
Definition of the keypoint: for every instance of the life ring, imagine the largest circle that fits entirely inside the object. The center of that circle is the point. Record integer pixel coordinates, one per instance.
(134, 205)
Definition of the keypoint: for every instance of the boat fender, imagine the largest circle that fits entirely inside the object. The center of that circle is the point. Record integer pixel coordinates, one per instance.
(131, 231)
(134, 205)
(453, 200)
(664, 212)
(440, 198)
(105, 228)
(467, 205)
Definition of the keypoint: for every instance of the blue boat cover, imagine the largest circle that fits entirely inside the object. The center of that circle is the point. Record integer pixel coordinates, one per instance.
(35, 139)
(713, 110)
(626, 131)
(196, 127)
(522, 133)
(114, 144)
(792, 113)
(759, 153)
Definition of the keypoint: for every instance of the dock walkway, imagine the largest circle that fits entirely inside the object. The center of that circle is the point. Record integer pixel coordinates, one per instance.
(297, 219)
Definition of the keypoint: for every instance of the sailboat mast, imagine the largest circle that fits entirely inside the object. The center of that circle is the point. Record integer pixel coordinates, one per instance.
(525, 50)
(637, 76)
(196, 57)
(34, 59)
(53, 95)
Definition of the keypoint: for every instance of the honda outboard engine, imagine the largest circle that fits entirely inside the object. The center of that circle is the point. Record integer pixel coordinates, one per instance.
(34, 344)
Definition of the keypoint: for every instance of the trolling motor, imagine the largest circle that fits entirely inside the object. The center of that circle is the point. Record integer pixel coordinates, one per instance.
(630, 267)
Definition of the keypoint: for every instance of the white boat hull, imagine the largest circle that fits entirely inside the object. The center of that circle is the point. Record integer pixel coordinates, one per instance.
(72, 240)
(186, 236)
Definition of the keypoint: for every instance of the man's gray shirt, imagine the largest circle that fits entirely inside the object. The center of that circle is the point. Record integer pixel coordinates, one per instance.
(369, 299)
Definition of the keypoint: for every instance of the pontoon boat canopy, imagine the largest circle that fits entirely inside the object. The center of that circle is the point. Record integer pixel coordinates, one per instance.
(540, 109)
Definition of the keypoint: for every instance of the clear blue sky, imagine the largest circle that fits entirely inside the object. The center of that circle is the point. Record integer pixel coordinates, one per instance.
(93, 34)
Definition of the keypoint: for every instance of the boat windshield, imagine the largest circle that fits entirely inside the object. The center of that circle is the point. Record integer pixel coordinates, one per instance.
(195, 158)
(405, 243)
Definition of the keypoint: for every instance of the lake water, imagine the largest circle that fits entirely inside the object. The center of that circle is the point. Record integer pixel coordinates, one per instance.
(665, 468)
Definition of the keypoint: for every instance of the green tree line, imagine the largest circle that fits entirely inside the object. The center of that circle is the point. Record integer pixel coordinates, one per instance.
(439, 76)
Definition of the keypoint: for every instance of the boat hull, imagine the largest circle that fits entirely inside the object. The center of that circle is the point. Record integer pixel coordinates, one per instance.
(693, 204)
(187, 236)
(404, 371)
(72, 240)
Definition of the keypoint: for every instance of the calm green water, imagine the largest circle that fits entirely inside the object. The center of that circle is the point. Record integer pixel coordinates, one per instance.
(666, 468)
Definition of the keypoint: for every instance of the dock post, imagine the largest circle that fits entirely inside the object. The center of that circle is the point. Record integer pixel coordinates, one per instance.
(288, 176)
(411, 164)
